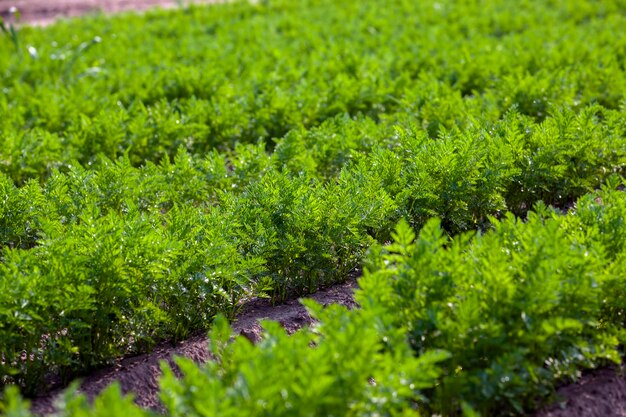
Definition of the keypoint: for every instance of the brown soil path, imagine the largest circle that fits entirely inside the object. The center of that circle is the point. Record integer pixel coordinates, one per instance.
(600, 393)
(139, 375)
(44, 12)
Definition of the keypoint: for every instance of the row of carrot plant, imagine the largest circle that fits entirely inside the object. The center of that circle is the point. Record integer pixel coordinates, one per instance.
(159, 170)
(203, 78)
(107, 260)
(479, 324)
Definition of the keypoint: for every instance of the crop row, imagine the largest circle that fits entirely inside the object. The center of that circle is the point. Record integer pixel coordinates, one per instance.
(158, 170)
(481, 324)
(211, 77)
(102, 261)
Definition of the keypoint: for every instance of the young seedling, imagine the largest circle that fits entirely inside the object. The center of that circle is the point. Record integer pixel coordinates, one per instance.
(9, 28)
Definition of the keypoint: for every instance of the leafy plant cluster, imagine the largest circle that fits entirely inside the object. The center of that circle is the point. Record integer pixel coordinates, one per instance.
(205, 78)
(159, 170)
(155, 252)
(478, 324)
(518, 308)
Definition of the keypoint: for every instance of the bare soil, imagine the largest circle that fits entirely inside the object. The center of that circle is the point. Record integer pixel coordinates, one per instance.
(45, 12)
(139, 375)
(600, 393)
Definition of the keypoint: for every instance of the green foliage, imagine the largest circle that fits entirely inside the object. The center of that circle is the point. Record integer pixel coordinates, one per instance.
(481, 324)
(338, 368)
(9, 30)
(519, 307)
(341, 367)
(71, 403)
(22, 213)
(158, 170)
(205, 78)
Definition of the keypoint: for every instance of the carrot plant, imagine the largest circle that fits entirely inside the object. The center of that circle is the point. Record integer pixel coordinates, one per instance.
(159, 170)
(480, 324)
(502, 303)
(9, 28)
(209, 78)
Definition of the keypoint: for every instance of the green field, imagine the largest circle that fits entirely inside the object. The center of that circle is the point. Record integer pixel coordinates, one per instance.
(158, 170)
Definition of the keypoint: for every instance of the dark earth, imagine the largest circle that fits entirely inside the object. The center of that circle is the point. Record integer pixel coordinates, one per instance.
(139, 374)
